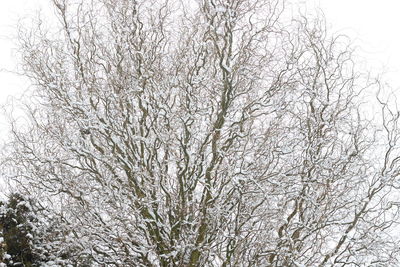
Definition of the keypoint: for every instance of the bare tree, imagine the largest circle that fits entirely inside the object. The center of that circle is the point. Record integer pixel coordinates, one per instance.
(204, 133)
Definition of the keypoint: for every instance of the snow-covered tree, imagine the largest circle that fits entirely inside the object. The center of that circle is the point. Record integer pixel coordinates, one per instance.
(30, 236)
(16, 231)
(204, 133)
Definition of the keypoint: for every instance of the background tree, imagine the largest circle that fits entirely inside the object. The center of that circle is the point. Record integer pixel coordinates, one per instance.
(31, 237)
(204, 133)
(16, 225)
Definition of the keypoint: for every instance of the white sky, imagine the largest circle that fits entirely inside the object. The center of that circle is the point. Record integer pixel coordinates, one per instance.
(11, 12)
(372, 24)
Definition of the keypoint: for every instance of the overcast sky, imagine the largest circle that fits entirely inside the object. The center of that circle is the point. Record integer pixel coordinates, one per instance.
(372, 24)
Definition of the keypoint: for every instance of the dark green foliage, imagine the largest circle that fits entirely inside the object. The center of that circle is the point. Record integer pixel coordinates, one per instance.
(17, 222)
(31, 237)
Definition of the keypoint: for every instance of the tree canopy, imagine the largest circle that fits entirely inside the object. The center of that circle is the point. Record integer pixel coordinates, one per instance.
(203, 133)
